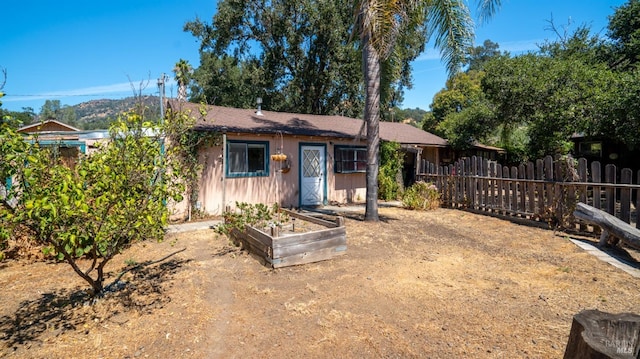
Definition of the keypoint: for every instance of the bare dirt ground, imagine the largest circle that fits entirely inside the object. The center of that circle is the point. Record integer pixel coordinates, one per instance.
(440, 284)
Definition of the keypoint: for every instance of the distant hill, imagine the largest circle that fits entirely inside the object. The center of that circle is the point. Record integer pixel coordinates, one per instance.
(98, 114)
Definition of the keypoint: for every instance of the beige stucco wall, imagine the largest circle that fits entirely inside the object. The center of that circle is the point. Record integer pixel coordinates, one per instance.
(278, 187)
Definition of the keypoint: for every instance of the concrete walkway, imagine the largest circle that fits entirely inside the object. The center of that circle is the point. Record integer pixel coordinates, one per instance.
(329, 209)
(606, 257)
(192, 226)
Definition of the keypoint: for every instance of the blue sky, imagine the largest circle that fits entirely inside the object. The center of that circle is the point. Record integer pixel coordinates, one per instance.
(75, 51)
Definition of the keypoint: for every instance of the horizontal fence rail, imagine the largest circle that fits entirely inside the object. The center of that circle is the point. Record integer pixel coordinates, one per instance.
(545, 190)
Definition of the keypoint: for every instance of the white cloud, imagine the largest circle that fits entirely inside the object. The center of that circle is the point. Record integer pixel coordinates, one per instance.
(146, 87)
(513, 47)
(429, 54)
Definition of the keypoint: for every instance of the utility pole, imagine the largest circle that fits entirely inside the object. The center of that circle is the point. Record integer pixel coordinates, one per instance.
(161, 83)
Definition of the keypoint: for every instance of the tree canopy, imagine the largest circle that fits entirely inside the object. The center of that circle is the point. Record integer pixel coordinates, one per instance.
(298, 56)
(532, 104)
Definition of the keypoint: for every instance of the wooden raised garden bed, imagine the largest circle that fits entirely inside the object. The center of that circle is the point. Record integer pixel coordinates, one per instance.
(290, 244)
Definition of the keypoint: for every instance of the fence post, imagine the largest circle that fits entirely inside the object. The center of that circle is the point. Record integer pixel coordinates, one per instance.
(610, 192)
(467, 181)
(625, 195)
(548, 177)
(596, 177)
(531, 189)
(582, 173)
(452, 184)
(540, 194)
(492, 185)
(507, 188)
(638, 202)
(474, 182)
(522, 188)
(500, 188)
(485, 183)
(514, 189)
(559, 198)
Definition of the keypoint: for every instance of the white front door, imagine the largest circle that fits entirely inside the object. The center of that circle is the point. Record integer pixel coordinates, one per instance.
(312, 175)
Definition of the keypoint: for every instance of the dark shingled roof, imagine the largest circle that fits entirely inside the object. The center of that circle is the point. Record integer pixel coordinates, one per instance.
(248, 121)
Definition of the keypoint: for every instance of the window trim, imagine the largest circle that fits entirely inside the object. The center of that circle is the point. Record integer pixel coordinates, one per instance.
(230, 174)
(82, 146)
(355, 149)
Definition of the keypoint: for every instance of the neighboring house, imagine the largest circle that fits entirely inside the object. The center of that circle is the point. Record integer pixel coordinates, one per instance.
(606, 151)
(491, 153)
(325, 156)
(47, 127)
(67, 141)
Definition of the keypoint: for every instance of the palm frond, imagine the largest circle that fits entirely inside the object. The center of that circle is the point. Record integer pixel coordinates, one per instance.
(487, 8)
(451, 24)
(382, 21)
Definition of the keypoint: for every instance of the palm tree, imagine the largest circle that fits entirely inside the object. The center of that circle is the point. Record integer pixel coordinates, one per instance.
(183, 71)
(379, 23)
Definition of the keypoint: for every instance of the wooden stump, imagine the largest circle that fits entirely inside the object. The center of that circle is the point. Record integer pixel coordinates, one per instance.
(595, 334)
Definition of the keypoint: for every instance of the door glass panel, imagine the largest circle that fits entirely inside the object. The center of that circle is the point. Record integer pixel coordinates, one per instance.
(311, 165)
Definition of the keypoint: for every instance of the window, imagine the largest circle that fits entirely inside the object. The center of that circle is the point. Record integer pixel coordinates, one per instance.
(350, 159)
(247, 159)
(590, 149)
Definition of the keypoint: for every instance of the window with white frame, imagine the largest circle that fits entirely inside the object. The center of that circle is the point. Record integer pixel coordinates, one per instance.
(350, 159)
(247, 158)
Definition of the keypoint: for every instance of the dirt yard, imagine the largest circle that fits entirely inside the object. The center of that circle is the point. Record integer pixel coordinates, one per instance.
(440, 284)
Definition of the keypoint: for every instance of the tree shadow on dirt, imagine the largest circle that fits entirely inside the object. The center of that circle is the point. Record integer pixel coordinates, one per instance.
(330, 214)
(360, 217)
(70, 309)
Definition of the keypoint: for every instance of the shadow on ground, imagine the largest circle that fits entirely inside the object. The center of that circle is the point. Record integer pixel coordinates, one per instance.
(69, 309)
(617, 252)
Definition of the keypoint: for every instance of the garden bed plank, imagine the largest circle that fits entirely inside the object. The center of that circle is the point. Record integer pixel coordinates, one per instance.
(309, 257)
(298, 248)
(307, 237)
(321, 243)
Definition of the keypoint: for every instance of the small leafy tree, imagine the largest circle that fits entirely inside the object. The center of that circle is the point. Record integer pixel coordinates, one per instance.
(109, 200)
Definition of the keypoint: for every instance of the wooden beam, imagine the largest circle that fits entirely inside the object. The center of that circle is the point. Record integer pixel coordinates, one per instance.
(611, 225)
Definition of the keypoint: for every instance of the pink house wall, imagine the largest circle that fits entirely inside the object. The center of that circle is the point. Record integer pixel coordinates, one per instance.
(278, 187)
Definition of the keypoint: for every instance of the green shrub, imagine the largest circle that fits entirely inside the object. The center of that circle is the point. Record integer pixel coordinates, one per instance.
(391, 162)
(421, 195)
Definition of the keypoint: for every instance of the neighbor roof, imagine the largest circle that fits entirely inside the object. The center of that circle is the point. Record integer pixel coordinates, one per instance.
(220, 118)
(47, 126)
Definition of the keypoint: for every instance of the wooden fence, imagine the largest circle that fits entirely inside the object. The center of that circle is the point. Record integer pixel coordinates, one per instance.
(546, 190)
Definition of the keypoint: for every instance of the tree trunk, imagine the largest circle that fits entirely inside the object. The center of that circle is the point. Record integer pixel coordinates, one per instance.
(596, 335)
(371, 63)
